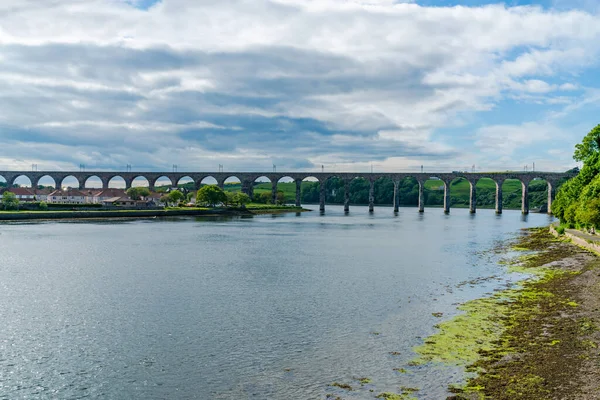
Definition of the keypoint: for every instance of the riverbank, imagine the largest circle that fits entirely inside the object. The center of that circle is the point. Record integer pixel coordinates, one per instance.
(538, 340)
(169, 212)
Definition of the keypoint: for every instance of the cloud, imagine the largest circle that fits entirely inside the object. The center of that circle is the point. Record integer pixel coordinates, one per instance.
(299, 83)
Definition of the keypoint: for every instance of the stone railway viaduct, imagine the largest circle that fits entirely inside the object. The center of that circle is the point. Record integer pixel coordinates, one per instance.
(248, 179)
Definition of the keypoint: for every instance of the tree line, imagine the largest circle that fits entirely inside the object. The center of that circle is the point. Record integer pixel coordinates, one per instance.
(409, 193)
(578, 201)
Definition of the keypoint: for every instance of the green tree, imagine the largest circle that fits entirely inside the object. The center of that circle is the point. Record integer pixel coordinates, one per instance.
(242, 199)
(175, 196)
(589, 146)
(211, 195)
(280, 197)
(230, 199)
(165, 199)
(136, 193)
(10, 201)
(190, 196)
(43, 206)
(577, 200)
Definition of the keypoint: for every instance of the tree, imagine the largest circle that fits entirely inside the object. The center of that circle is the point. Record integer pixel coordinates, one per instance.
(10, 201)
(175, 196)
(190, 196)
(43, 206)
(165, 199)
(280, 197)
(577, 200)
(589, 146)
(230, 199)
(136, 193)
(211, 195)
(242, 199)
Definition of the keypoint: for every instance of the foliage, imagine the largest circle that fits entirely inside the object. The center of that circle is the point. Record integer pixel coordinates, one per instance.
(237, 199)
(280, 197)
(10, 201)
(190, 196)
(578, 201)
(175, 196)
(241, 199)
(136, 193)
(589, 146)
(263, 198)
(43, 206)
(211, 195)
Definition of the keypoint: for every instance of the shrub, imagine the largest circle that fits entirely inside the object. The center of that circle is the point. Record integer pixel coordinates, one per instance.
(43, 206)
(560, 230)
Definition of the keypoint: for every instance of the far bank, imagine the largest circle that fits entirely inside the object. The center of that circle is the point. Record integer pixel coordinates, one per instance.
(156, 213)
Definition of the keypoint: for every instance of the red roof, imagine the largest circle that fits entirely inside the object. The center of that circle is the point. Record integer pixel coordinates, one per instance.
(21, 191)
(110, 193)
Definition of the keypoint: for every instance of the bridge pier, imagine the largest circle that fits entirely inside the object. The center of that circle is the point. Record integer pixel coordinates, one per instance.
(372, 196)
(499, 197)
(421, 197)
(298, 192)
(396, 196)
(473, 199)
(551, 194)
(274, 192)
(446, 197)
(346, 196)
(322, 189)
(247, 188)
(525, 198)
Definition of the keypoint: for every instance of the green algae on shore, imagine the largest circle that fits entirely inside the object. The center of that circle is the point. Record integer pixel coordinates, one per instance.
(510, 338)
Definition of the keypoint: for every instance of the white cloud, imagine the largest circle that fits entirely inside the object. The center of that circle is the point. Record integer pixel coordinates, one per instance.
(310, 80)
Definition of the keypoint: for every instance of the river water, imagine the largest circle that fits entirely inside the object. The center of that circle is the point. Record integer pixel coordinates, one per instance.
(265, 307)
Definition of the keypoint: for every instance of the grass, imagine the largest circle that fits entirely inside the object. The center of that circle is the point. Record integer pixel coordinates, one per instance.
(462, 188)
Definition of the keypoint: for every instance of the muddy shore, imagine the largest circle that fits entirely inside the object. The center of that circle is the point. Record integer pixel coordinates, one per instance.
(539, 340)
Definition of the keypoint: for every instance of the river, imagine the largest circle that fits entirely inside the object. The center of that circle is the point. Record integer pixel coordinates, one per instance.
(264, 307)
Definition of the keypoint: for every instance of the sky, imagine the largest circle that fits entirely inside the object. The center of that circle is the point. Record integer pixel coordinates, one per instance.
(343, 85)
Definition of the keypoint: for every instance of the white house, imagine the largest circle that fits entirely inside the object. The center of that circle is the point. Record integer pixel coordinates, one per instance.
(67, 196)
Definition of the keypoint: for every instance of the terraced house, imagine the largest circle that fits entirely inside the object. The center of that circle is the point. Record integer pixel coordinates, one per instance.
(68, 196)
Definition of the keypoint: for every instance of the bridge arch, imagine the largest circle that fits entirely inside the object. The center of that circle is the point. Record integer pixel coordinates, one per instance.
(93, 182)
(514, 193)
(3, 181)
(161, 181)
(45, 181)
(431, 192)
(261, 189)
(407, 192)
(21, 180)
(69, 181)
(208, 180)
(116, 182)
(286, 190)
(382, 192)
(489, 192)
(186, 181)
(539, 194)
(140, 181)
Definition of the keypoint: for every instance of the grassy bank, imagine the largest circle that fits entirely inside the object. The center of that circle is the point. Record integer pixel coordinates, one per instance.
(536, 341)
